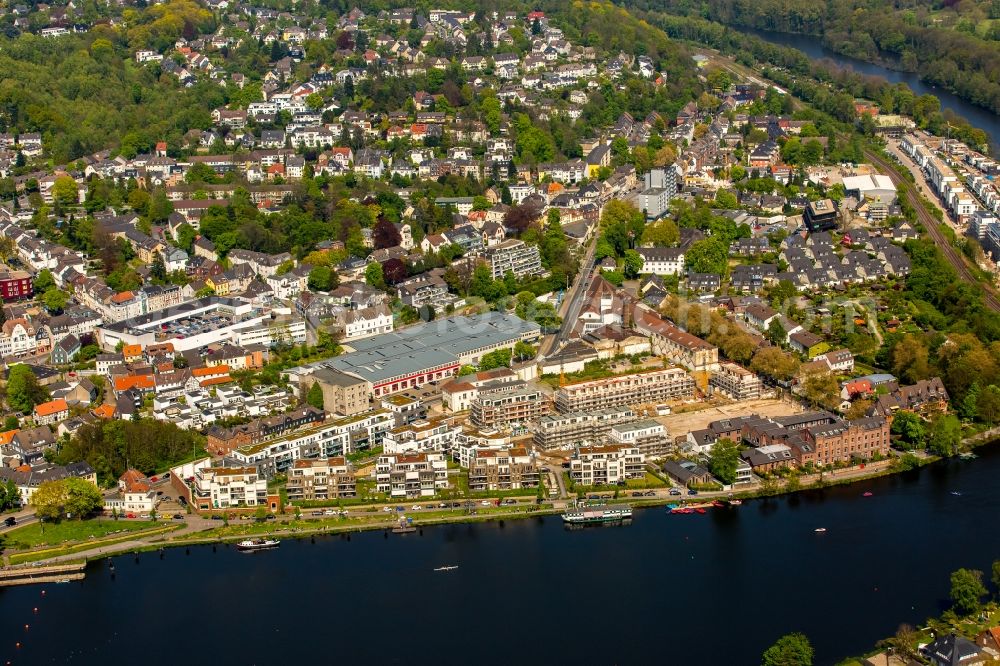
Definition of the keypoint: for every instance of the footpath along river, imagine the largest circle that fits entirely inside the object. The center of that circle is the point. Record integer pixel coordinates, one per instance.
(676, 589)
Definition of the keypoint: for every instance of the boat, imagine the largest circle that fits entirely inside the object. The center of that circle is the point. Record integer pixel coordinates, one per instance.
(681, 509)
(820, 530)
(700, 510)
(735, 502)
(451, 567)
(257, 544)
(956, 493)
(868, 494)
(968, 455)
(597, 514)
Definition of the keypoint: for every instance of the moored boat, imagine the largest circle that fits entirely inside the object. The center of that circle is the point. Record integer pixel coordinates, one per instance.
(257, 544)
(597, 514)
(820, 530)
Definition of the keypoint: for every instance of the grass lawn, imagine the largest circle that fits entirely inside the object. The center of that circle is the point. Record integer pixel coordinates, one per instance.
(51, 534)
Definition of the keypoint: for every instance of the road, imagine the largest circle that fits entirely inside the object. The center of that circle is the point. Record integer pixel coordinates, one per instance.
(931, 225)
(572, 303)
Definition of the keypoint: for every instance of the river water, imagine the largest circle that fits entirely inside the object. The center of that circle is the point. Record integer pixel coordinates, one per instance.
(814, 48)
(688, 589)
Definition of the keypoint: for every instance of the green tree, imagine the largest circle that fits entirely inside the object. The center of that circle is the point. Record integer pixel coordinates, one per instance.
(185, 236)
(44, 281)
(64, 191)
(374, 275)
(708, 256)
(83, 499)
(75, 498)
(723, 460)
(822, 389)
(967, 590)
(789, 650)
(23, 389)
(323, 278)
(944, 435)
(776, 332)
(524, 351)
(10, 496)
(496, 359)
(55, 299)
(909, 428)
(315, 396)
(633, 264)
(663, 233)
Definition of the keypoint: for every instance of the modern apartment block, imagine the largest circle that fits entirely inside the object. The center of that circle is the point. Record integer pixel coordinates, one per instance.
(735, 382)
(510, 469)
(321, 479)
(514, 256)
(636, 389)
(649, 436)
(514, 403)
(434, 435)
(228, 488)
(558, 431)
(411, 475)
(606, 465)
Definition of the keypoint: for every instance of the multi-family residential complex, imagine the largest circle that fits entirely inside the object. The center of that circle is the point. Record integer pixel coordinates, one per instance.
(331, 438)
(642, 388)
(609, 464)
(434, 434)
(321, 479)
(411, 475)
(735, 382)
(649, 436)
(509, 469)
(514, 256)
(508, 404)
(228, 488)
(558, 431)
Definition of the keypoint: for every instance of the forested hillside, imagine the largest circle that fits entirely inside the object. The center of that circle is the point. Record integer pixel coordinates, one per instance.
(951, 45)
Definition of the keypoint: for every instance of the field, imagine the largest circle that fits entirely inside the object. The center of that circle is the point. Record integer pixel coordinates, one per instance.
(52, 534)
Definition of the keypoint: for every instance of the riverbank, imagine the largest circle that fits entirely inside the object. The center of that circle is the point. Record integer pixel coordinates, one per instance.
(310, 527)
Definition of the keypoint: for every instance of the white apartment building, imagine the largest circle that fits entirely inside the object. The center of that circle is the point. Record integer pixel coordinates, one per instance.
(411, 475)
(228, 488)
(606, 465)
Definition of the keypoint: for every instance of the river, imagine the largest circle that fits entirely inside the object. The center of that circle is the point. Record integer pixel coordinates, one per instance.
(814, 48)
(711, 589)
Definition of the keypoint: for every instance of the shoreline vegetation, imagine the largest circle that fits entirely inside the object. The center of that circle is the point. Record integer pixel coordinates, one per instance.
(301, 526)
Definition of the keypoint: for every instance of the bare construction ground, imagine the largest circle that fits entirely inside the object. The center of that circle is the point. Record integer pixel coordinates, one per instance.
(681, 424)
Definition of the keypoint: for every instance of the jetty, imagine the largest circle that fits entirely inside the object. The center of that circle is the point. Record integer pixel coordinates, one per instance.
(51, 573)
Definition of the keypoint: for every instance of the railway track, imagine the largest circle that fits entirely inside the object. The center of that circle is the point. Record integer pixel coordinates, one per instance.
(931, 225)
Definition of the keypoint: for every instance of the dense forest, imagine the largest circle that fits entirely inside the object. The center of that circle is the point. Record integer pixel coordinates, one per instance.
(826, 86)
(963, 61)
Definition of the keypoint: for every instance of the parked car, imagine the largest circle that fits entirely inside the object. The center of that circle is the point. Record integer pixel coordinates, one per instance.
(182, 501)
(178, 516)
(131, 515)
(10, 521)
(387, 508)
(692, 492)
(415, 507)
(329, 512)
(675, 491)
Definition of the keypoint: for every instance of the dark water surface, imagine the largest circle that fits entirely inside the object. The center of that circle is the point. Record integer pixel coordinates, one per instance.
(814, 48)
(689, 589)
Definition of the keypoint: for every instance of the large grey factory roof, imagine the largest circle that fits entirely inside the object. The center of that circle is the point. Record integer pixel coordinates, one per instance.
(427, 345)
